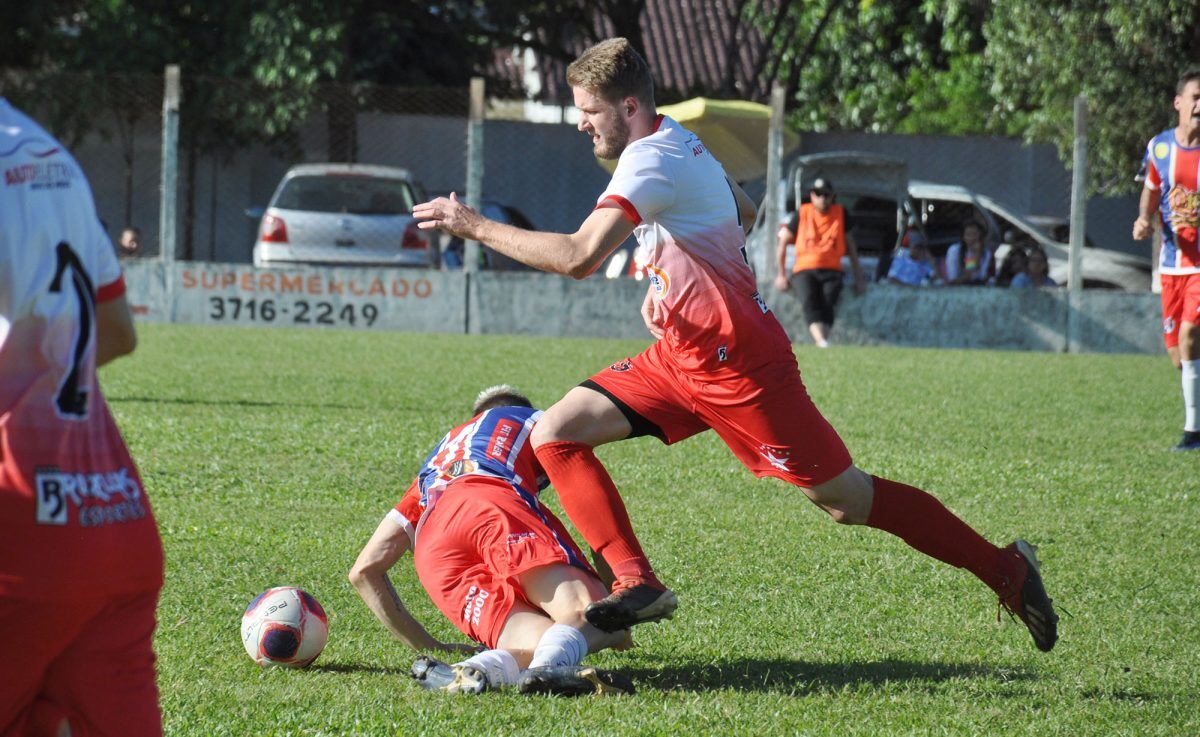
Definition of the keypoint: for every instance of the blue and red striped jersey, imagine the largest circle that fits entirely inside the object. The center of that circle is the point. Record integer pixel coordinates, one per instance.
(494, 443)
(1174, 172)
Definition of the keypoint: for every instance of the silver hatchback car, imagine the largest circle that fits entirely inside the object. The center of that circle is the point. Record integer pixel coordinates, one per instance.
(344, 215)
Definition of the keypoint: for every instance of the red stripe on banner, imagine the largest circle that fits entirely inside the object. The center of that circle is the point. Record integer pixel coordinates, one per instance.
(625, 205)
(111, 291)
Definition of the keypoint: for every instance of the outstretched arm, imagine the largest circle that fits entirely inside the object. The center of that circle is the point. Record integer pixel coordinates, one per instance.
(572, 254)
(370, 578)
(1144, 225)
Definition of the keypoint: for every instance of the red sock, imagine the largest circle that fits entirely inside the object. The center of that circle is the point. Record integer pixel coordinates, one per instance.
(920, 520)
(593, 503)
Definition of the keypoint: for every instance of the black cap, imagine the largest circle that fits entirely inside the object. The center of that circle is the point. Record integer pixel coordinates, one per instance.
(822, 185)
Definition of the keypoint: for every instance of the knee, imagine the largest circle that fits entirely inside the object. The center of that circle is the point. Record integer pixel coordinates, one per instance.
(847, 498)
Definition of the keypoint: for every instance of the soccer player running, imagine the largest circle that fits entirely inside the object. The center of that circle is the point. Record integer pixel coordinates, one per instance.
(721, 360)
(494, 560)
(1173, 189)
(80, 558)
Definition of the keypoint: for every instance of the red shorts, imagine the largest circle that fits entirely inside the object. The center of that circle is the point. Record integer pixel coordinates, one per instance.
(90, 660)
(1180, 304)
(474, 543)
(765, 416)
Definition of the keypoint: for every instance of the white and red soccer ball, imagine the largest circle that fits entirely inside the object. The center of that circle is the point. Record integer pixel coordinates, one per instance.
(284, 626)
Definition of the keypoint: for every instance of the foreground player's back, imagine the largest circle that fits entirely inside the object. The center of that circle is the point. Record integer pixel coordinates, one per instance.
(68, 487)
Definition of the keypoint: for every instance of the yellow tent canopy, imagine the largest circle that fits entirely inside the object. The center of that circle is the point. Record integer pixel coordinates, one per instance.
(735, 131)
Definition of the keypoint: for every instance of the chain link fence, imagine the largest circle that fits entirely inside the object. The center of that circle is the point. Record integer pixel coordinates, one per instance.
(239, 138)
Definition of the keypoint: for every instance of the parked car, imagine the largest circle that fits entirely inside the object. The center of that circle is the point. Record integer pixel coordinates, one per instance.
(1057, 228)
(344, 215)
(881, 202)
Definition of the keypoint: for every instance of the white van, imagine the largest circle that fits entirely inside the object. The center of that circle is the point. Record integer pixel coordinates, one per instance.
(879, 199)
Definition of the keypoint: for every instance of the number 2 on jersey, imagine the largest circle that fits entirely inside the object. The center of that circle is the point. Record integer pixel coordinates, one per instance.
(71, 400)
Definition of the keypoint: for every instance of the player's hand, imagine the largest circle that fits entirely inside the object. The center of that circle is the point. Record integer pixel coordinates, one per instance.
(1142, 228)
(448, 214)
(652, 314)
(782, 283)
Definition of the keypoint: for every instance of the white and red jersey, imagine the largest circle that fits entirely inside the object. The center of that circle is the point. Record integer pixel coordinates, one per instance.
(690, 236)
(1174, 172)
(72, 509)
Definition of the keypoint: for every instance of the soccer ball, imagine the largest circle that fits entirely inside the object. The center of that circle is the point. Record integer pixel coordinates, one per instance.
(284, 626)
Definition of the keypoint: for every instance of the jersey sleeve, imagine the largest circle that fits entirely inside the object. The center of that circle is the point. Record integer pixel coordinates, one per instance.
(1153, 179)
(407, 512)
(643, 184)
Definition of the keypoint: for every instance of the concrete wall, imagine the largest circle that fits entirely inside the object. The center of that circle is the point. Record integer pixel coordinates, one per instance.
(981, 317)
(416, 300)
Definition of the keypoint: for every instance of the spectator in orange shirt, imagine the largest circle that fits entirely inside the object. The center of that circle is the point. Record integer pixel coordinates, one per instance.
(818, 231)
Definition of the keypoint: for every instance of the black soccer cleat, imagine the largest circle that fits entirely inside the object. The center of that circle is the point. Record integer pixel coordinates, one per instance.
(630, 605)
(574, 680)
(1191, 441)
(434, 675)
(1029, 602)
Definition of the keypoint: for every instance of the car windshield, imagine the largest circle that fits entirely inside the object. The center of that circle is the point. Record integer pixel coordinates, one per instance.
(357, 195)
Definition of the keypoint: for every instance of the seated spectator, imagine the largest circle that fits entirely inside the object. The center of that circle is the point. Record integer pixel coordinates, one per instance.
(970, 260)
(1014, 263)
(1037, 272)
(912, 266)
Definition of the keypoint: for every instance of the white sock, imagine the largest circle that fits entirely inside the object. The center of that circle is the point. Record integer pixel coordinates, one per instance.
(1191, 392)
(560, 645)
(499, 666)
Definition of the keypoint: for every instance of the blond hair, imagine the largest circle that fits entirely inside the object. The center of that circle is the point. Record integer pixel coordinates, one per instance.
(500, 395)
(614, 70)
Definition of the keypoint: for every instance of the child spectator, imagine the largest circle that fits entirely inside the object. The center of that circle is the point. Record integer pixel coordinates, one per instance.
(912, 265)
(970, 260)
(1015, 263)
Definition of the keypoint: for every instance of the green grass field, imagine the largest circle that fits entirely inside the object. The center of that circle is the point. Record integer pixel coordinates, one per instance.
(270, 456)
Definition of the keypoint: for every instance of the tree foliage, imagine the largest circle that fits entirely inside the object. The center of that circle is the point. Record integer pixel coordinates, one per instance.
(1125, 57)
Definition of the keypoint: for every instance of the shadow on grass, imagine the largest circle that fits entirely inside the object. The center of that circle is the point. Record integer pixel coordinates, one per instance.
(358, 668)
(802, 677)
(230, 402)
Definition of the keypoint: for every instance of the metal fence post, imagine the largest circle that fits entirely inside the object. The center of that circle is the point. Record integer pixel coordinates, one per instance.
(167, 217)
(774, 176)
(474, 167)
(1079, 175)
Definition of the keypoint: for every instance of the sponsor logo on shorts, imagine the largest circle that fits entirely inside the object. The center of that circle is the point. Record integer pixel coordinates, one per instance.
(625, 365)
(516, 538)
(758, 300)
(723, 353)
(98, 498)
(473, 604)
(1168, 325)
(777, 457)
